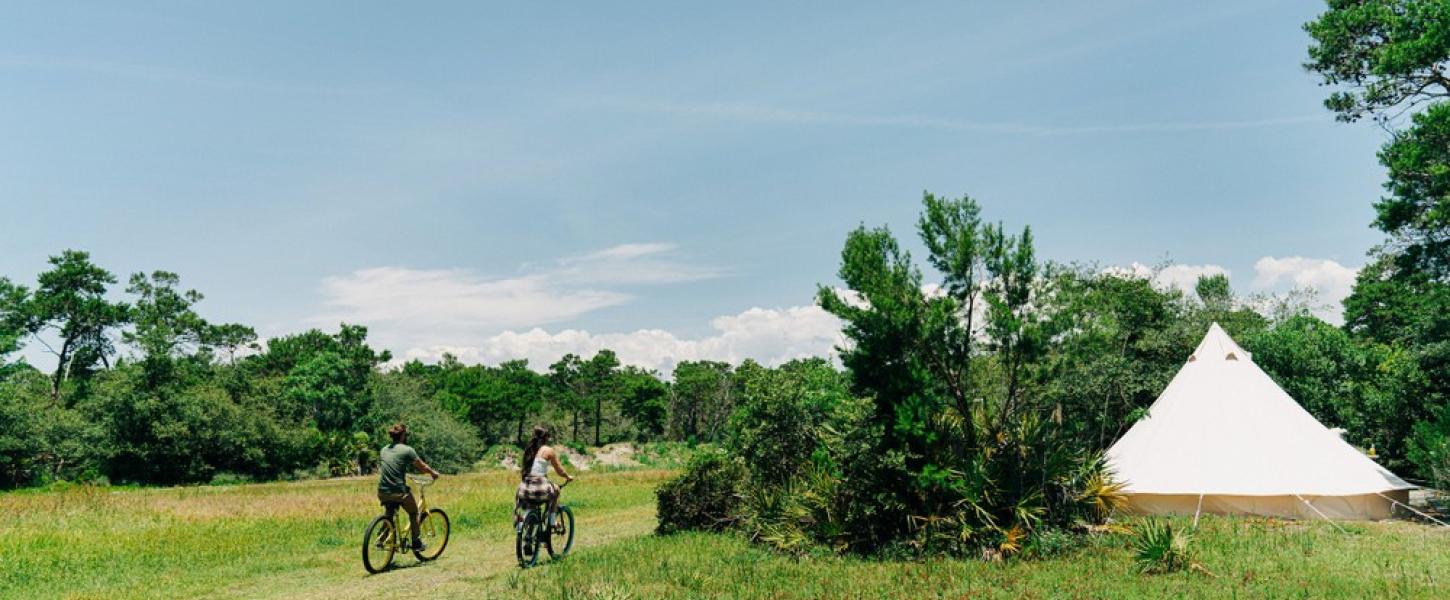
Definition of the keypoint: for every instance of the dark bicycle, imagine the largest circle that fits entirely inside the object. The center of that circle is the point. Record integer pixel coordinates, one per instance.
(534, 532)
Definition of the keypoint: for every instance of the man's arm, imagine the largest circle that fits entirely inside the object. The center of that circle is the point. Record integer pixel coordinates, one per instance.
(422, 466)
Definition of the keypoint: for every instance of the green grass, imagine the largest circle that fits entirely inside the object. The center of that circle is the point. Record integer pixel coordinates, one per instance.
(301, 540)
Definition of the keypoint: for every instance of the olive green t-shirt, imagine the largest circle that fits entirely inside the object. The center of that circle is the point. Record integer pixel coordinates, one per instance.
(394, 460)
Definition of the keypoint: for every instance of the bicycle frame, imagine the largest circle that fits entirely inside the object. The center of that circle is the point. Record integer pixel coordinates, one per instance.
(403, 528)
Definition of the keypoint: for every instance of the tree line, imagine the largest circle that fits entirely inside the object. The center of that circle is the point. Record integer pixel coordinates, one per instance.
(146, 390)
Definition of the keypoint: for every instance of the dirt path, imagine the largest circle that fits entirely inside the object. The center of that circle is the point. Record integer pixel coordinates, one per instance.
(468, 566)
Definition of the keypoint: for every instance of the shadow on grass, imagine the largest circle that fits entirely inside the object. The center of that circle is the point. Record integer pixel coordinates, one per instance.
(397, 567)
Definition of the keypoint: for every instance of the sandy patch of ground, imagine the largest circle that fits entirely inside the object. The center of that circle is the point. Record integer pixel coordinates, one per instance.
(619, 454)
(616, 455)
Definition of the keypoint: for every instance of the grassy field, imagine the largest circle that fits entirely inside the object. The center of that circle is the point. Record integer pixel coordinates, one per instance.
(300, 540)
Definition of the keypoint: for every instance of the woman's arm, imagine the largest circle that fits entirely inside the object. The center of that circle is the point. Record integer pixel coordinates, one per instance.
(553, 458)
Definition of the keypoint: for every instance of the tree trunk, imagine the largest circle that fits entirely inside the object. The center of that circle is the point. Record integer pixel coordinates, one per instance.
(60, 369)
(576, 425)
(598, 416)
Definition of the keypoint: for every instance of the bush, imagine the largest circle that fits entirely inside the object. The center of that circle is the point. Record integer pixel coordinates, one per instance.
(705, 497)
(39, 441)
(1050, 543)
(786, 414)
(18, 437)
(446, 443)
(499, 456)
(170, 434)
(667, 455)
(1162, 549)
(1430, 449)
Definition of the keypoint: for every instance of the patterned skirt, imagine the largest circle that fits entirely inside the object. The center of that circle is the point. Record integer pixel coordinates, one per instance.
(536, 489)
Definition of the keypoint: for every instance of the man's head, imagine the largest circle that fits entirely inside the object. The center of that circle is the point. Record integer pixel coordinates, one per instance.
(399, 433)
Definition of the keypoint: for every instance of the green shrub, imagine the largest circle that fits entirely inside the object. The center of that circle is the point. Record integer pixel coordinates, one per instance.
(705, 497)
(495, 455)
(667, 455)
(787, 414)
(1052, 542)
(446, 443)
(1430, 449)
(1160, 548)
(228, 478)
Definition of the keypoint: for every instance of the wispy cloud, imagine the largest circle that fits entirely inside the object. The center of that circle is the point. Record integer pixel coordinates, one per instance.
(756, 113)
(632, 264)
(407, 307)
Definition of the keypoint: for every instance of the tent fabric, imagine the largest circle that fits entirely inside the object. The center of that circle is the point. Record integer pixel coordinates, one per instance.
(1358, 507)
(1223, 429)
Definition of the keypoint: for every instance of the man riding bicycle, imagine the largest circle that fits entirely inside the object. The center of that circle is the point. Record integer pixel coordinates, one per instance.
(536, 487)
(393, 463)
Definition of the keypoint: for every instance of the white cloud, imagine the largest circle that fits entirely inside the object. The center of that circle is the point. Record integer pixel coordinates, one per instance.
(631, 264)
(405, 307)
(459, 297)
(1331, 281)
(768, 335)
(1183, 277)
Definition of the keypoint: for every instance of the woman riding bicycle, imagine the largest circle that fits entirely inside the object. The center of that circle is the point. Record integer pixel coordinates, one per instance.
(536, 487)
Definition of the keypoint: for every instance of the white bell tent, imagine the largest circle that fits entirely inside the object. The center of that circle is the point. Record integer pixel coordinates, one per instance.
(1224, 438)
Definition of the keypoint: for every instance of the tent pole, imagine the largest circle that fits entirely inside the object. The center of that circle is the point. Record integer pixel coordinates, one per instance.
(1397, 503)
(1198, 510)
(1322, 515)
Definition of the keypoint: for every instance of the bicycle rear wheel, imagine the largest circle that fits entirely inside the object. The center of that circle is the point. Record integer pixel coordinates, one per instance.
(561, 539)
(433, 531)
(527, 542)
(379, 542)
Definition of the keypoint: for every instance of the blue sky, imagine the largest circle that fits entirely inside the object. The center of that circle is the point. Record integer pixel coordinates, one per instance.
(500, 180)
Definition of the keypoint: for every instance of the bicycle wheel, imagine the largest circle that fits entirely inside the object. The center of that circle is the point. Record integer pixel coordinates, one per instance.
(379, 542)
(563, 532)
(433, 530)
(526, 543)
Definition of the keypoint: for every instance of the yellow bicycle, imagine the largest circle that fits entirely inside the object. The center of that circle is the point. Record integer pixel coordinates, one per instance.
(389, 533)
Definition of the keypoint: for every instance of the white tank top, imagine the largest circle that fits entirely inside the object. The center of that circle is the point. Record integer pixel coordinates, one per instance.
(540, 467)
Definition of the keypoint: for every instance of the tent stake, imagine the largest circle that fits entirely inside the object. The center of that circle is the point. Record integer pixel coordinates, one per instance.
(1397, 503)
(1322, 515)
(1198, 510)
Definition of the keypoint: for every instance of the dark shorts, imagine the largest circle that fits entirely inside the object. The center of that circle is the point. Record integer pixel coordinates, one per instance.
(404, 500)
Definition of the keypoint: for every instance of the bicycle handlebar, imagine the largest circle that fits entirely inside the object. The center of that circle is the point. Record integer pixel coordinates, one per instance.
(422, 481)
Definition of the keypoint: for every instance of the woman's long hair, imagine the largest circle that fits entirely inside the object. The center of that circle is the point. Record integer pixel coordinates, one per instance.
(541, 437)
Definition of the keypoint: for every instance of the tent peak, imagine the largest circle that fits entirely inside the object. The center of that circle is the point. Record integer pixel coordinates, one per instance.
(1217, 346)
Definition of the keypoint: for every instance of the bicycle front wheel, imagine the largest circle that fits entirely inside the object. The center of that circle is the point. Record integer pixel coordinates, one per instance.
(527, 542)
(433, 530)
(379, 542)
(561, 538)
